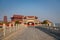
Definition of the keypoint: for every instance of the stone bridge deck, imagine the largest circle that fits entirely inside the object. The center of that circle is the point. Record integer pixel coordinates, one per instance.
(30, 33)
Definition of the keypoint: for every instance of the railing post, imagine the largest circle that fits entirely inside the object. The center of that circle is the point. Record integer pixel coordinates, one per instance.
(13, 27)
(4, 29)
(10, 27)
(16, 27)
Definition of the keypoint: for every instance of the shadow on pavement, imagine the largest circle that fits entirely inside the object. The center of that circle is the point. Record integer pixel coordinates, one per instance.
(49, 32)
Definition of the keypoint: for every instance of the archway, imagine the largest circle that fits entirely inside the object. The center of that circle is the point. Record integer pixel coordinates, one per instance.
(30, 23)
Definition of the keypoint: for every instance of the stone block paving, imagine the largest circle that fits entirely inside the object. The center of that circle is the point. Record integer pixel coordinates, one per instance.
(30, 33)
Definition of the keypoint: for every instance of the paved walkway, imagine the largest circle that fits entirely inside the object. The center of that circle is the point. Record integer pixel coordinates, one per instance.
(31, 34)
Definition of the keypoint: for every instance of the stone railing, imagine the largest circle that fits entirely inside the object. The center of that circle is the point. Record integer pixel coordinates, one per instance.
(51, 30)
(8, 30)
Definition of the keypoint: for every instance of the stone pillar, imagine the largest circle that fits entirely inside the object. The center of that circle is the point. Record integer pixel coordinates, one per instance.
(4, 29)
(10, 27)
(14, 26)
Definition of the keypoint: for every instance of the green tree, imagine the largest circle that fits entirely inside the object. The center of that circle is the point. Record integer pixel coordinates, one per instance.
(16, 22)
(45, 22)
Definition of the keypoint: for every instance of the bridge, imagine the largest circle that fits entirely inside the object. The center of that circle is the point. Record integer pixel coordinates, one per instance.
(31, 33)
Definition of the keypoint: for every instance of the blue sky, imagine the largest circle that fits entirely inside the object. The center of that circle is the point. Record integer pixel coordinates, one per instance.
(44, 9)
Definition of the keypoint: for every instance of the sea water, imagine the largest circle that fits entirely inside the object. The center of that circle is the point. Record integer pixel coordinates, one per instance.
(57, 24)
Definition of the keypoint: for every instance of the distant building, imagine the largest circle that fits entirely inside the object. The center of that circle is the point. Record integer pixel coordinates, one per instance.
(47, 23)
(1, 23)
(5, 19)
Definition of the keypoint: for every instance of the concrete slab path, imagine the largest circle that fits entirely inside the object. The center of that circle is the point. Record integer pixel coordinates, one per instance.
(30, 33)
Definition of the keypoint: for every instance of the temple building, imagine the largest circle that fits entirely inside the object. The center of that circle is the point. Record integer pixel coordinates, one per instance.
(17, 18)
(31, 21)
(26, 20)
